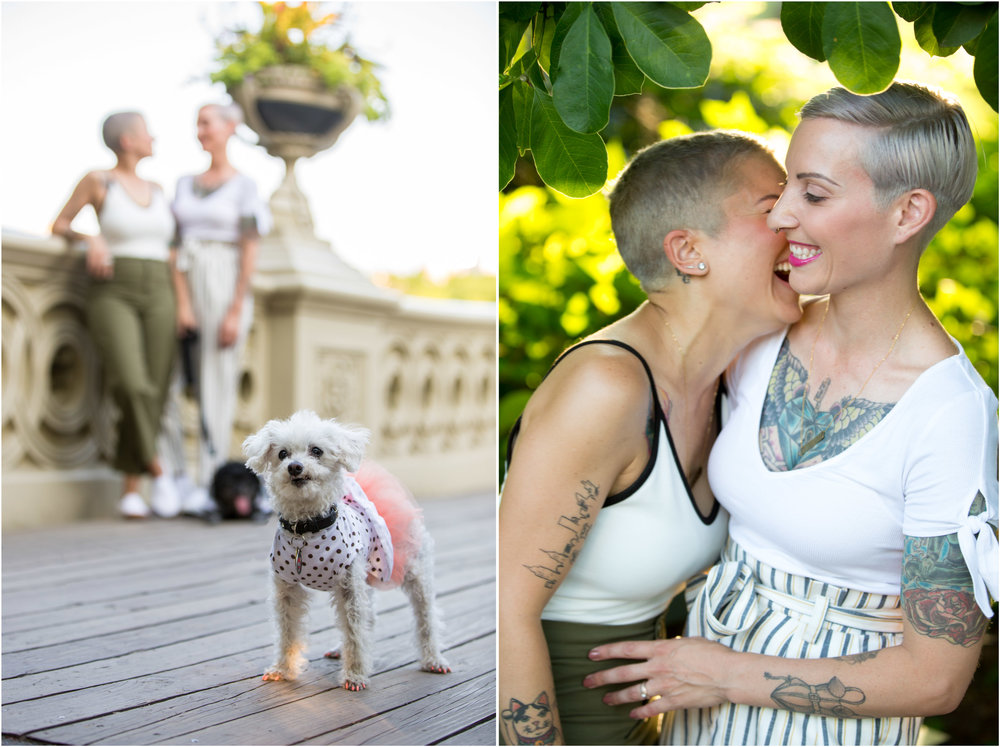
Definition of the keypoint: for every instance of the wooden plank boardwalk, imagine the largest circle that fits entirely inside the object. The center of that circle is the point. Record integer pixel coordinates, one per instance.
(157, 632)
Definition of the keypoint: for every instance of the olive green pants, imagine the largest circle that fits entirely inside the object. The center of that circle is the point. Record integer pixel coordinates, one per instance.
(132, 319)
(585, 718)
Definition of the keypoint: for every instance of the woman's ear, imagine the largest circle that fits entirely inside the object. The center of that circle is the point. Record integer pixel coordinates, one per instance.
(914, 209)
(680, 247)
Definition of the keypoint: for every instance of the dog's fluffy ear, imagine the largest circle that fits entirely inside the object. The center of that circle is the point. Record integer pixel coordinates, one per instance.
(350, 442)
(257, 448)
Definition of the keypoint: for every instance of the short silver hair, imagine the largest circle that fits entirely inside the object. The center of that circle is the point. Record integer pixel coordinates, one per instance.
(921, 139)
(229, 112)
(115, 126)
(675, 184)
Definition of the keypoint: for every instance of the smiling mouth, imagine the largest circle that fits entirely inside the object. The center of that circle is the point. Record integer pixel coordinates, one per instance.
(802, 254)
(782, 270)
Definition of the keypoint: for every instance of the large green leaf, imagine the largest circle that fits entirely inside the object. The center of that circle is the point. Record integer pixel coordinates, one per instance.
(518, 11)
(560, 30)
(984, 70)
(585, 82)
(570, 162)
(668, 45)
(510, 33)
(862, 44)
(544, 30)
(523, 102)
(507, 136)
(923, 32)
(909, 11)
(956, 24)
(628, 77)
(803, 26)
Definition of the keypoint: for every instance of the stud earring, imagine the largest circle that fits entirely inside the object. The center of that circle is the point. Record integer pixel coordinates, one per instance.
(701, 266)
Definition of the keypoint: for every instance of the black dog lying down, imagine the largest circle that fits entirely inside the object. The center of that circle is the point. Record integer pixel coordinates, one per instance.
(237, 494)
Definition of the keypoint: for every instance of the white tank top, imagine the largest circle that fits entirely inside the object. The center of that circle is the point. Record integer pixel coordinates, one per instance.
(132, 230)
(645, 543)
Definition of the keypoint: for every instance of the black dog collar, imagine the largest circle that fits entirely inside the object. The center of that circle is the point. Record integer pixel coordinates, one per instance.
(310, 525)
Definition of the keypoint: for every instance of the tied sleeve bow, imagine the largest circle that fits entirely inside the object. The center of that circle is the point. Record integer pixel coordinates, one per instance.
(979, 548)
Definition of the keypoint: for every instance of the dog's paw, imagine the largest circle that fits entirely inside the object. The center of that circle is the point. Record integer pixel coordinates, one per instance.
(334, 654)
(438, 666)
(355, 685)
(274, 675)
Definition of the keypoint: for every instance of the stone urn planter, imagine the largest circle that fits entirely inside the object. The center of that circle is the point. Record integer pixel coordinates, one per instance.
(296, 116)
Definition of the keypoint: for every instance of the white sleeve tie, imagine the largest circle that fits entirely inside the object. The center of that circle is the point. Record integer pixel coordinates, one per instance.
(979, 548)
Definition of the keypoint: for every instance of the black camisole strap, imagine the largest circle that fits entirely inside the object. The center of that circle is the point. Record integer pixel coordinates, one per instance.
(657, 418)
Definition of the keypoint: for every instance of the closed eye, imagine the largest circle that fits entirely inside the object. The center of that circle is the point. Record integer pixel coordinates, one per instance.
(813, 198)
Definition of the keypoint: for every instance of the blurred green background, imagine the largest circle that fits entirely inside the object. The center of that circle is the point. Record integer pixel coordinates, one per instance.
(561, 278)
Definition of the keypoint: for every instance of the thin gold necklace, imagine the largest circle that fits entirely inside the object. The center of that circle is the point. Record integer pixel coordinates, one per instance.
(803, 448)
(715, 393)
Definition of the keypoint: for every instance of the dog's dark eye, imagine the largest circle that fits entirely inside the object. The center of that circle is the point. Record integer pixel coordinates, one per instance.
(316, 451)
(282, 454)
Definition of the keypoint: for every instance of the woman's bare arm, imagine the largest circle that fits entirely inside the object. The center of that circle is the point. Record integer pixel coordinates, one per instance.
(581, 430)
(927, 674)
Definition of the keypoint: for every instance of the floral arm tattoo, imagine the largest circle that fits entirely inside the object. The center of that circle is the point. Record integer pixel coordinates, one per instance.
(938, 596)
(578, 526)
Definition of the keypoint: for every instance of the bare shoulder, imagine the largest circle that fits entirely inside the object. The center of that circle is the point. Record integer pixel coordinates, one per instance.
(602, 379)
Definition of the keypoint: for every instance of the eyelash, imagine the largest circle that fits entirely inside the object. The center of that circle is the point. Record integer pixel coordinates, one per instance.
(813, 199)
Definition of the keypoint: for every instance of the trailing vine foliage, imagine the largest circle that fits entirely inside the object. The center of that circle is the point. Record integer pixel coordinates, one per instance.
(562, 64)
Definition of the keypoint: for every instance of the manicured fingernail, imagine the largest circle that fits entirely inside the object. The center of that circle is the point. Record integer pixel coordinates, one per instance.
(593, 653)
(587, 682)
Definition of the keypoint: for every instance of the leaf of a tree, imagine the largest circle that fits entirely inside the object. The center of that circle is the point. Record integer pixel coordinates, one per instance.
(984, 70)
(861, 42)
(803, 26)
(561, 28)
(510, 33)
(923, 32)
(507, 136)
(585, 83)
(668, 45)
(909, 11)
(569, 162)
(628, 77)
(955, 24)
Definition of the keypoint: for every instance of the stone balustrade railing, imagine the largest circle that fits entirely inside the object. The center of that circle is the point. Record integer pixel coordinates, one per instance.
(419, 373)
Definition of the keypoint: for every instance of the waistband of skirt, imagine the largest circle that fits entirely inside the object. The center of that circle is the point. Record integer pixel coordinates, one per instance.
(804, 588)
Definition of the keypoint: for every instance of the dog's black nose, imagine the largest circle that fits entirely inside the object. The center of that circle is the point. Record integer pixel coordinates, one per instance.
(294, 469)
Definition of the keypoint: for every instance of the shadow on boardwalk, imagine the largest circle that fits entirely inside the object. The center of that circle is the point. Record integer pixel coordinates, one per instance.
(157, 633)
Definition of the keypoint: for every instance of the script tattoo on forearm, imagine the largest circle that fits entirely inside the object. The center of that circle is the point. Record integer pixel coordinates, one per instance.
(831, 698)
(938, 597)
(857, 658)
(578, 525)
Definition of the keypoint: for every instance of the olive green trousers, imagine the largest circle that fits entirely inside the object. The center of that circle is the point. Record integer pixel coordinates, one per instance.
(132, 320)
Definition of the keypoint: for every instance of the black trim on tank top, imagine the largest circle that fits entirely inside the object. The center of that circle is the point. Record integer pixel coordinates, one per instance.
(658, 417)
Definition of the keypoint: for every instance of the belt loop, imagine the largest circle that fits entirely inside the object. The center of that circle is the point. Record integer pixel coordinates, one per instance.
(810, 628)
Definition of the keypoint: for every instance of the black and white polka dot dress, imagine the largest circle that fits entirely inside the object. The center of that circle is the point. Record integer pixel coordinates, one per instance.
(316, 559)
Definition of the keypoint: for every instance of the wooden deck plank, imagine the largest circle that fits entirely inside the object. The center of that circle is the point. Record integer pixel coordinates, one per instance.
(96, 648)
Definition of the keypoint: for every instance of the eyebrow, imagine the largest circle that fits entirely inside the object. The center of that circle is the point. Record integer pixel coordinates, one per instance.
(768, 197)
(814, 175)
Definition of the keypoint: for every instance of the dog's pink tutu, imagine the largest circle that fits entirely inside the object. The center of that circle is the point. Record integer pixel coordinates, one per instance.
(397, 506)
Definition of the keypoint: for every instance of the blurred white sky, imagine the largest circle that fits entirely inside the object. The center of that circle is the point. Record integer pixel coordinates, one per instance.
(418, 191)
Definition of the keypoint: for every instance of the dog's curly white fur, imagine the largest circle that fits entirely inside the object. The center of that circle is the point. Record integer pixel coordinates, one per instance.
(305, 461)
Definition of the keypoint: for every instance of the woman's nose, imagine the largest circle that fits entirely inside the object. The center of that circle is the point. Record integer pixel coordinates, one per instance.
(780, 216)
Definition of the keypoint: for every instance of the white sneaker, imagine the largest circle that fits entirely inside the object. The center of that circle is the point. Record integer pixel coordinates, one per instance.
(166, 502)
(132, 506)
(197, 501)
(184, 487)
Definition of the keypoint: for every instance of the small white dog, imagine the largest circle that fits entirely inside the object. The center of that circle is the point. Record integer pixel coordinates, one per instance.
(331, 537)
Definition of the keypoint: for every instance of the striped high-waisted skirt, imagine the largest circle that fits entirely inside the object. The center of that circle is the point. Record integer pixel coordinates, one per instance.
(750, 606)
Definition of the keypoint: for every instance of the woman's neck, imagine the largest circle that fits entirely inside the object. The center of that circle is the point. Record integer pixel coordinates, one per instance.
(219, 168)
(856, 319)
(126, 165)
(697, 343)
